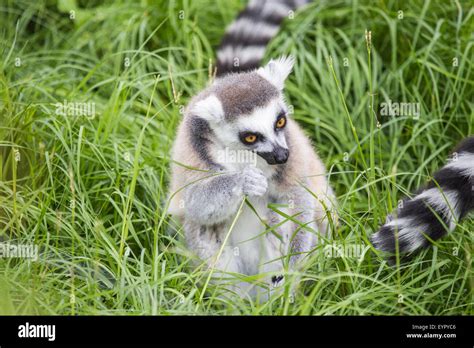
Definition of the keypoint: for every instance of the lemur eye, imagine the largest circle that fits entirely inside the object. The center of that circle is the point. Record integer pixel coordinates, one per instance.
(250, 139)
(281, 122)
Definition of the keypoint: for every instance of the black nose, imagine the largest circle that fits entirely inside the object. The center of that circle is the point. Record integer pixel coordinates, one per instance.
(279, 155)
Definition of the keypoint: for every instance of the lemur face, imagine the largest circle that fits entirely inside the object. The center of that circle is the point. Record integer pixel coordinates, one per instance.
(263, 132)
(247, 111)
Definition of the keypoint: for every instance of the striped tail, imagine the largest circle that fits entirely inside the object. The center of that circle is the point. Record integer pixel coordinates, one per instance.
(243, 45)
(435, 210)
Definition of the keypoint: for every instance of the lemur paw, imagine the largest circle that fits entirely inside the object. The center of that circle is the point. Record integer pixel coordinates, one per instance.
(255, 183)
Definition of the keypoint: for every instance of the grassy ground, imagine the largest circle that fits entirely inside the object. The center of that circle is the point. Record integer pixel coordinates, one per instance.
(90, 191)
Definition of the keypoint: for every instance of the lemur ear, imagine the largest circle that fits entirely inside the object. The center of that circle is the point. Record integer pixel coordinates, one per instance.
(276, 71)
(209, 109)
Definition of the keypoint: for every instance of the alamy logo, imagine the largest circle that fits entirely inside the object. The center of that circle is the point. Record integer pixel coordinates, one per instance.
(76, 109)
(351, 251)
(37, 331)
(237, 156)
(22, 251)
(392, 108)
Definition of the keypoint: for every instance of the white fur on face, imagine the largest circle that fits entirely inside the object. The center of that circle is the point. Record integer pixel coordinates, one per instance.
(262, 121)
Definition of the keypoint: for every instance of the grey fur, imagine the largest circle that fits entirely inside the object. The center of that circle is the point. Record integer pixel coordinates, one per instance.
(213, 200)
(216, 198)
(207, 200)
(240, 94)
(302, 240)
(200, 134)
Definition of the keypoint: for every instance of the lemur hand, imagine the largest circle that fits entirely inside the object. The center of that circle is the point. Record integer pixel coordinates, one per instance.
(255, 183)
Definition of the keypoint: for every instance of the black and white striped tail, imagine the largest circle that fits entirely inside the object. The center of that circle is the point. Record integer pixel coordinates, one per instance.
(243, 45)
(434, 211)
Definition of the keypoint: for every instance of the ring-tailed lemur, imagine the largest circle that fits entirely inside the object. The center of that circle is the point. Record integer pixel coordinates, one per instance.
(237, 142)
(434, 211)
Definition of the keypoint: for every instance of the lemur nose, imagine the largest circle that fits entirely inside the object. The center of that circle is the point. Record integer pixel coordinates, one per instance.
(281, 155)
(278, 155)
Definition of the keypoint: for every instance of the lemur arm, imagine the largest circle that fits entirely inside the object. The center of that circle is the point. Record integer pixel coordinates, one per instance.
(213, 200)
(216, 199)
(303, 210)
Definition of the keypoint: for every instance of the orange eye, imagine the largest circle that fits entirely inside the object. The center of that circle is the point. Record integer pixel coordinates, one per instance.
(250, 138)
(281, 122)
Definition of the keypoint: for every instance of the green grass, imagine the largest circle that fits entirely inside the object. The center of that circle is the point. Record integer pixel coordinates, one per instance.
(113, 250)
